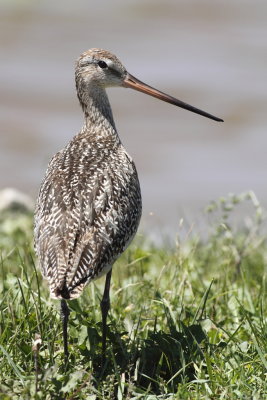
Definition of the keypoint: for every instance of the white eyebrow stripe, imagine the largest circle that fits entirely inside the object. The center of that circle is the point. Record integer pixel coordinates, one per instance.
(112, 66)
(109, 63)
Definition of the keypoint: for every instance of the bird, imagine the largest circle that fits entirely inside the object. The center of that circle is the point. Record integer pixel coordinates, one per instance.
(89, 203)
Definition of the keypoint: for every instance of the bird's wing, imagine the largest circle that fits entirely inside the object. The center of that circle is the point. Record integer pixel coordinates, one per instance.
(83, 220)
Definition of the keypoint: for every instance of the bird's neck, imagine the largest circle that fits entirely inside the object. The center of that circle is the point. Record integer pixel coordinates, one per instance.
(98, 118)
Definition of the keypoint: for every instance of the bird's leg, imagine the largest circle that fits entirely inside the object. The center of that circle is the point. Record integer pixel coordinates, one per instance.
(105, 305)
(65, 312)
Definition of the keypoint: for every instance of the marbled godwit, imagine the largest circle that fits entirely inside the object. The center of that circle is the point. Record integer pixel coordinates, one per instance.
(89, 204)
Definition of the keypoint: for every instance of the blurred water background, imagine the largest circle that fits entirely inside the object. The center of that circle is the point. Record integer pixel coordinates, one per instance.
(211, 54)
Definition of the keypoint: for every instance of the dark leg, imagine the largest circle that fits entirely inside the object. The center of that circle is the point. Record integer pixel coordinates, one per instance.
(105, 305)
(65, 312)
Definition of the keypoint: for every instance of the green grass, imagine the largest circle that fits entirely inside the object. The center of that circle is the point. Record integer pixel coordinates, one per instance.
(187, 322)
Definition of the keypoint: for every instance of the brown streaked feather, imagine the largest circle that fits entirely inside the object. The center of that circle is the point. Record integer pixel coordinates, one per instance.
(84, 213)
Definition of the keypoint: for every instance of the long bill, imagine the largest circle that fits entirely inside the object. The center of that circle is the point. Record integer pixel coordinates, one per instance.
(131, 82)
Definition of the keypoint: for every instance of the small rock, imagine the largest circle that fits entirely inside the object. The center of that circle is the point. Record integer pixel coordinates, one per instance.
(13, 200)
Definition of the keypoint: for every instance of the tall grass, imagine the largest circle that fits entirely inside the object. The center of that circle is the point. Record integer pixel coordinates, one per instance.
(187, 322)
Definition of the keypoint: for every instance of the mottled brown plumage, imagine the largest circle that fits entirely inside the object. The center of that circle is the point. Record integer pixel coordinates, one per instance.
(89, 204)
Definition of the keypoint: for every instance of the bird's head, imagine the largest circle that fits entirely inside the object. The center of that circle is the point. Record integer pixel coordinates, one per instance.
(101, 68)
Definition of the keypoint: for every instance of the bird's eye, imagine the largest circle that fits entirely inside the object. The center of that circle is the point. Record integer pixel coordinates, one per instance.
(102, 64)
